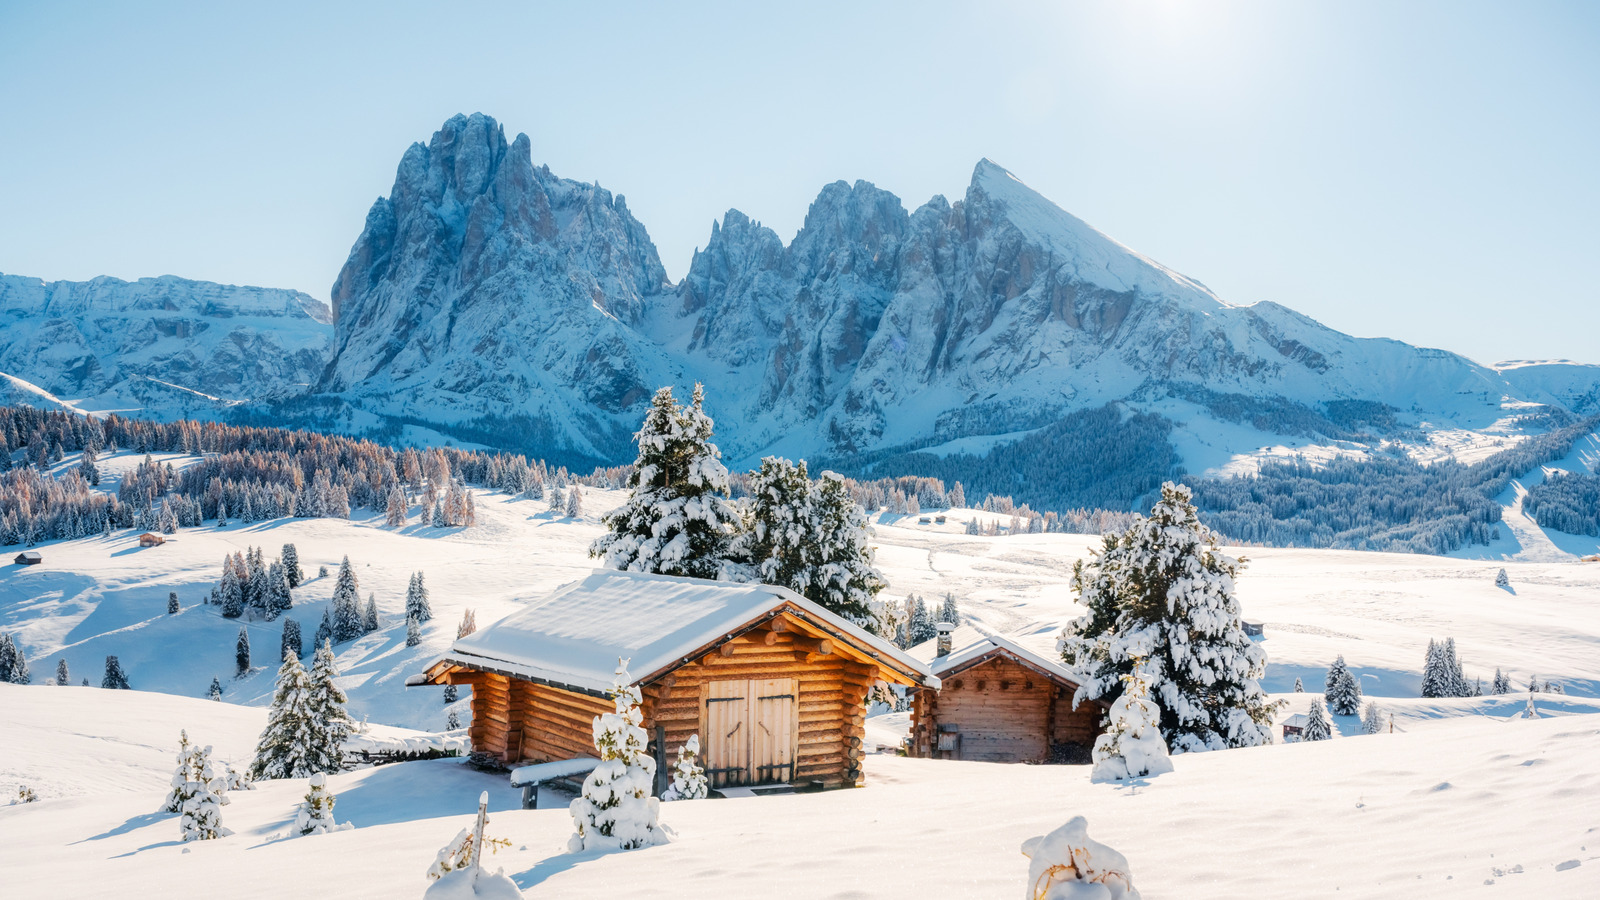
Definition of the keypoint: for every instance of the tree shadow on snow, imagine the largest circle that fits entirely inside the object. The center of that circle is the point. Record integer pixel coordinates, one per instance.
(564, 862)
(132, 824)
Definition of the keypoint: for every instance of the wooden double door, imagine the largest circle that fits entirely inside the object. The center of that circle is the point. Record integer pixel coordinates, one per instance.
(750, 731)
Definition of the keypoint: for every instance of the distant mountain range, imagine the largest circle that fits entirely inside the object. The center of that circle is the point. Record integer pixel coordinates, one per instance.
(495, 302)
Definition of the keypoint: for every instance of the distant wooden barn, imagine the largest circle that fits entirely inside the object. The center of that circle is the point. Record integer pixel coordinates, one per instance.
(1294, 726)
(29, 558)
(151, 539)
(775, 685)
(1000, 701)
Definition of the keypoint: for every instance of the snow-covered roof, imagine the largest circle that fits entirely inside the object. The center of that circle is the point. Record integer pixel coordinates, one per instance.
(574, 636)
(1036, 646)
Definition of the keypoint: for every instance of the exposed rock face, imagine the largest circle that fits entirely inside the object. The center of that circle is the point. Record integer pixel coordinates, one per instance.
(161, 347)
(483, 287)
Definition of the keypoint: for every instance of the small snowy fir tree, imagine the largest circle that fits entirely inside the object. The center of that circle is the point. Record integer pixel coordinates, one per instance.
(282, 749)
(324, 630)
(844, 580)
(452, 721)
(232, 593)
(575, 502)
(1530, 712)
(395, 513)
(950, 611)
(921, 625)
(241, 654)
(417, 606)
(180, 777)
(25, 794)
(1131, 746)
(200, 818)
(322, 571)
(346, 604)
(469, 623)
(369, 615)
(1342, 690)
(1067, 864)
(279, 597)
(1502, 683)
(315, 815)
(677, 519)
(413, 632)
(558, 500)
(291, 566)
(1317, 726)
(1163, 592)
(688, 778)
(1502, 579)
(616, 810)
(115, 678)
(215, 692)
(325, 751)
(63, 678)
(172, 603)
(780, 540)
(451, 694)
(1372, 719)
(290, 642)
(1299, 688)
(438, 518)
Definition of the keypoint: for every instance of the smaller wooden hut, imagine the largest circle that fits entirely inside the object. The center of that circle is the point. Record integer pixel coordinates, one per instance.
(29, 558)
(1000, 700)
(775, 686)
(151, 539)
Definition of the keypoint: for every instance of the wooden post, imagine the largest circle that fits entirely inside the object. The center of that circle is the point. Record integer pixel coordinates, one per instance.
(661, 761)
(477, 836)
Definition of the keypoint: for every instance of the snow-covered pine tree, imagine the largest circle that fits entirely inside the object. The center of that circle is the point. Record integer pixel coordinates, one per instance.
(1372, 719)
(346, 604)
(1456, 678)
(452, 722)
(469, 623)
(324, 630)
(1502, 579)
(16, 669)
(616, 810)
(1502, 683)
(331, 724)
(438, 519)
(291, 566)
(205, 795)
(222, 513)
(558, 500)
(215, 693)
(950, 611)
(413, 632)
(575, 502)
(115, 678)
(8, 657)
(1530, 712)
(1299, 687)
(451, 695)
(920, 625)
(241, 653)
(62, 677)
(315, 815)
(1533, 684)
(1132, 746)
(1317, 726)
(395, 512)
(677, 519)
(957, 498)
(291, 642)
(87, 467)
(232, 593)
(180, 777)
(284, 747)
(688, 778)
(844, 580)
(172, 603)
(779, 540)
(1169, 594)
(369, 614)
(1435, 677)
(417, 606)
(1342, 690)
(279, 598)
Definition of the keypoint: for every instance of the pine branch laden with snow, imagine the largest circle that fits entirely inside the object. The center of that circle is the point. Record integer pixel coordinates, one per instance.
(464, 856)
(315, 815)
(1067, 864)
(1163, 592)
(677, 519)
(616, 810)
(688, 778)
(1132, 746)
(1342, 690)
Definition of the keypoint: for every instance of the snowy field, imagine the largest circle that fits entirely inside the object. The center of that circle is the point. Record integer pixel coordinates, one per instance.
(1463, 793)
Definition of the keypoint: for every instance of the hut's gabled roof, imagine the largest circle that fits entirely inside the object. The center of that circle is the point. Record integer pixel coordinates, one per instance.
(969, 645)
(574, 636)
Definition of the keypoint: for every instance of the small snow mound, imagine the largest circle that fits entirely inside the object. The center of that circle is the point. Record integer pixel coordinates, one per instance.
(1067, 864)
(1441, 786)
(467, 884)
(1569, 864)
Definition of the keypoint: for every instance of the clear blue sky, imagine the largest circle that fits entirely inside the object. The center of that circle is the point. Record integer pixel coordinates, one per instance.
(1425, 171)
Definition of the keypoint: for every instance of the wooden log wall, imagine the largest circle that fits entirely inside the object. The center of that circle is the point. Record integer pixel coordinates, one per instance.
(831, 698)
(1005, 712)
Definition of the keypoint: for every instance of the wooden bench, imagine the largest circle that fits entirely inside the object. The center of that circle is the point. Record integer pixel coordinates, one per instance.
(529, 778)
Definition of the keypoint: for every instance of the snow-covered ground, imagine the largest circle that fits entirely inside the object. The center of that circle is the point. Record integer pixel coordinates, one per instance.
(1502, 807)
(1462, 793)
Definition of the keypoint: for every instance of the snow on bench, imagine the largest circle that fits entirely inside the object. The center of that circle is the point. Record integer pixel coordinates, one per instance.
(402, 744)
(530, 777)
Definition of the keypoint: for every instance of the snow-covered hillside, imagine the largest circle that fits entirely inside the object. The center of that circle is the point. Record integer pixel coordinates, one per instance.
(158, 347)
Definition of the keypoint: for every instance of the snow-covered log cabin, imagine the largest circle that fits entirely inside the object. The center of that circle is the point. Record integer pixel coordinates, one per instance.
(775, 685)
(1000, 701)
